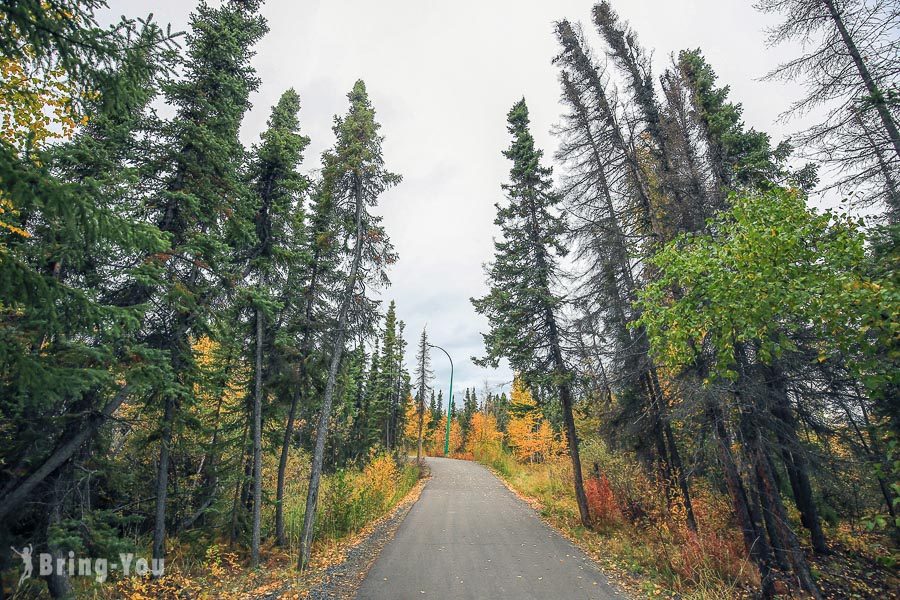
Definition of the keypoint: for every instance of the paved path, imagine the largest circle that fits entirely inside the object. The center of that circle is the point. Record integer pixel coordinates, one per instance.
(470, 537)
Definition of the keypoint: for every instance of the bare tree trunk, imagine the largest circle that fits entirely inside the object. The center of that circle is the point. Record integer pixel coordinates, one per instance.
(753, 407)
(565, 395)
(312, 496)
(58, 583)
(236, 504)
(257, 441)
(794, 459)
(877, 95)
(162, 480)
(280, 539)
(754, 541)
(779, 519)
(764, 501)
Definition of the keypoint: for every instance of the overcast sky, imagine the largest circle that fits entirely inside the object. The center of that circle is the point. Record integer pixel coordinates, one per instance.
(442, 76)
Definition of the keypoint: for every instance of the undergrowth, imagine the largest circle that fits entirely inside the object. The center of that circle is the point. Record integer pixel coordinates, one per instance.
(350, 500)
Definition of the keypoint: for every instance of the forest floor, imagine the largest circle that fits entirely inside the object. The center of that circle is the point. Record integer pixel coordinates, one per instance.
(339, 561)
(338, 568)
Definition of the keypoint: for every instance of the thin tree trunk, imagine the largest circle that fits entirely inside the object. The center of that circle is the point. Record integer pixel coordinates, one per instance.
(236, 504)
(770, 497)
(58, 583)
(754, 542)
(779, 518)
(795, 459)
(565, 395)
(662, 460)
(257, 440)
(312, 496)
(162, 480)
(280, 538)
(764, 501)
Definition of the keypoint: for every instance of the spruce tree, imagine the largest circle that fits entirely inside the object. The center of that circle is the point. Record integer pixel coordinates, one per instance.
(424, 374)
(373, 412)
(521, 307)
(386, 384)
(70, 242)
(204, 203)
(353, 177)
(277, 185)
(614, 225)
(318, 275)
(433, 409)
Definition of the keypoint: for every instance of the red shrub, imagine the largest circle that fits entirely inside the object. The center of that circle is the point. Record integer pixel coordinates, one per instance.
(601, 501)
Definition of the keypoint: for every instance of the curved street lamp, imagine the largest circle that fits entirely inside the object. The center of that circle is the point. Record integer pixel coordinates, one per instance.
(449, 401)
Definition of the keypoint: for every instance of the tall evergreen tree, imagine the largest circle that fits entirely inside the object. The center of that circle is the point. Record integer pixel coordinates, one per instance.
(203, 203)
(277, 185)
(401, 388)
(70, 241)
(318, 275)
(354, 177)
(610, 235)
(385, 385)
(373, 378)
(424, 374)
(521, 307)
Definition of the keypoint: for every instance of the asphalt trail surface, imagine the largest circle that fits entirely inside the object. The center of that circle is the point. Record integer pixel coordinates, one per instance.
(468, 536)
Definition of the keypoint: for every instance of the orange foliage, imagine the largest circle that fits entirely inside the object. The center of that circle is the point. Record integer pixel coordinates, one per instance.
(436, 441)
(411, 429)
(379, 479)
(604, 507)
(485, 437)
(484, 431)
(531, 437)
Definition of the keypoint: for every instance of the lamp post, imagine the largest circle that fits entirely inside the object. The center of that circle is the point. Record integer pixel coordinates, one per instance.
(449, 401)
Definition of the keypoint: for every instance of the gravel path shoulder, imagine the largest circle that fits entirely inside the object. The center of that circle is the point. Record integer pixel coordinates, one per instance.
(341, 581)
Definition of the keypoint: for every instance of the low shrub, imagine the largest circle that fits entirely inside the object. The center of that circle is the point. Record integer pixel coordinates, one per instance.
(602, 502)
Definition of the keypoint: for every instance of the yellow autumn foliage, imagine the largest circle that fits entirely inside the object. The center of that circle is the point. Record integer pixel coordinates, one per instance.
(37, 106)
(528, 434)
(411, 428)
(485, 438)
(438, 436)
